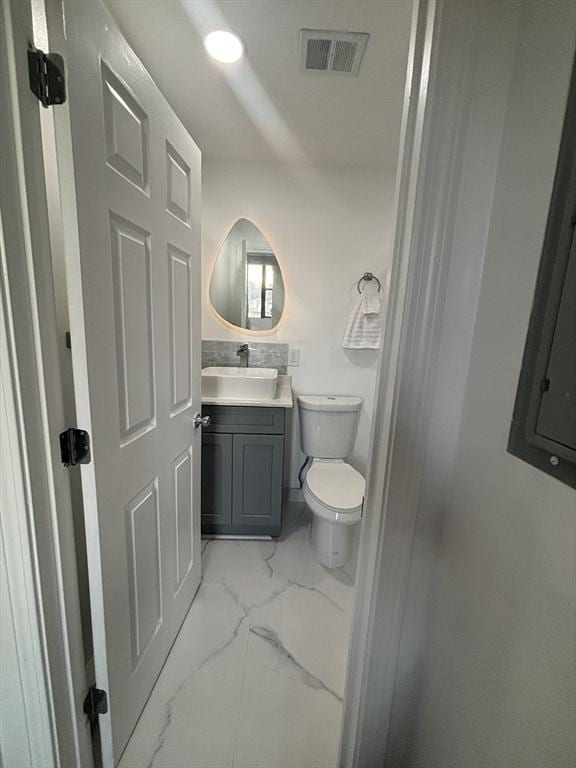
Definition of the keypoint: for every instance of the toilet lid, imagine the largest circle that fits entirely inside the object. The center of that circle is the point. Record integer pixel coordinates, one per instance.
(336, 484)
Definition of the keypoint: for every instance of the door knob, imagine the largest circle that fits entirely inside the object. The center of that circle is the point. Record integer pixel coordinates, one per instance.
(200, 421)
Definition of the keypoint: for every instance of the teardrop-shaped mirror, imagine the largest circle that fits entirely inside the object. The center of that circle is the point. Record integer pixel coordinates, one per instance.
(246, 287)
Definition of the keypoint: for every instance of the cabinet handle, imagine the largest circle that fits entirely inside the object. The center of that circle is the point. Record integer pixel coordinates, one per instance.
(200, 421)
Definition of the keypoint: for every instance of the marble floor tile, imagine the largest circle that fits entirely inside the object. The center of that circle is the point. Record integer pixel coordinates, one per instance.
(190, 718)
(288, 717)
(306, 625)
(256, 675)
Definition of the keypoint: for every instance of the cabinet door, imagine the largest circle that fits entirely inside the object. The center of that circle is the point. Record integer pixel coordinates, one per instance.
(216, 481)
(257, 482)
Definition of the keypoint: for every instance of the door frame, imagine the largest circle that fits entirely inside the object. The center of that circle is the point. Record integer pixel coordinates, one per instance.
(38, 528)
(428, 262)
(435, 110)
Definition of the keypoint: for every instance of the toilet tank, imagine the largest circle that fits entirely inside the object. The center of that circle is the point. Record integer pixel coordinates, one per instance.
(328, 425)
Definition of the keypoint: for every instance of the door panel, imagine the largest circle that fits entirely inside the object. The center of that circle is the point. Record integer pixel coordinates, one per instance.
(216, 481)
(125, 131)
(180, 340)
(145, 585)
(257, 479)
(134, 278)
(183, 479)
(178, 185)
(131, 265)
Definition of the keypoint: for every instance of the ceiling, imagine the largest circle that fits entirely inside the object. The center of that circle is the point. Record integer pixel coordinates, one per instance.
(264, 108)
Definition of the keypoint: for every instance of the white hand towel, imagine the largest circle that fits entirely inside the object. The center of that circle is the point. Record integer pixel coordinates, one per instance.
(364, 327)
(371, 302)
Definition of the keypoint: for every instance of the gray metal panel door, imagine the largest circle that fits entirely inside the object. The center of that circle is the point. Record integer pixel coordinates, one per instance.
(557, 417)
(257, 479)
(216, 479)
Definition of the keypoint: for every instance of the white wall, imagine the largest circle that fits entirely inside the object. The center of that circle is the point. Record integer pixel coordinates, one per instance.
(497, 682)
(326, 226)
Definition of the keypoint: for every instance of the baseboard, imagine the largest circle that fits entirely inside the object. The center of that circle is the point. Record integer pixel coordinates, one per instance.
(293, 494)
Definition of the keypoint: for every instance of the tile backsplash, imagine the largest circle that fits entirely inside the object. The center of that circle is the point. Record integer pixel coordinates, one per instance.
(261, 354)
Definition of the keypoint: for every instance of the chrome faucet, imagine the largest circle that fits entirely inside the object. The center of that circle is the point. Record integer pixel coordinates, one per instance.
(242, 353)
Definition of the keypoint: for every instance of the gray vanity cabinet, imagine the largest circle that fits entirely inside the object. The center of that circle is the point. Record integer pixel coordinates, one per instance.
(216, 480)
(242, 470)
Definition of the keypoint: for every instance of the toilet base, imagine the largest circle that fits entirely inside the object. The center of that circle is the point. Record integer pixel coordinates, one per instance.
(331, 542)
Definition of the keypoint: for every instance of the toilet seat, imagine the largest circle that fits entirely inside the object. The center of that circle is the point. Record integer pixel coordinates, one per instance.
(334, 491)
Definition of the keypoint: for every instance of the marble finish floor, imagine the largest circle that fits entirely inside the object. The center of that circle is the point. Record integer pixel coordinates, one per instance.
(256, 676)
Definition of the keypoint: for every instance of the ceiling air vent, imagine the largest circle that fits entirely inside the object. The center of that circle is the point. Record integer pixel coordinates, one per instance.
(331, 53)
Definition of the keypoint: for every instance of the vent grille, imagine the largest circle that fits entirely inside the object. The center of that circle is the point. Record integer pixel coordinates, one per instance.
(318, 54)
(330, 52)
(344, 54)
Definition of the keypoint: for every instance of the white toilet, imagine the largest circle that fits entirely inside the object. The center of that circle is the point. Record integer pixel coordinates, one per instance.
(333, 490)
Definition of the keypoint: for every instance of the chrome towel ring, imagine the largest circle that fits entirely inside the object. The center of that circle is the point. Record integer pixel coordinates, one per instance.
(368, 277)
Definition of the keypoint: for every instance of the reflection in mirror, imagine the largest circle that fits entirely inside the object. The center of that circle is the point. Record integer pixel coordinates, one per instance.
(246, 287)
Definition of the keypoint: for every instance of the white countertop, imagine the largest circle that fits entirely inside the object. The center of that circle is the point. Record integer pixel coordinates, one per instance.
(283, 397)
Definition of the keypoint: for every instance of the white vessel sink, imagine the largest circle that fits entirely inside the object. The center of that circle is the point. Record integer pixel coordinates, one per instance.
(239, 383)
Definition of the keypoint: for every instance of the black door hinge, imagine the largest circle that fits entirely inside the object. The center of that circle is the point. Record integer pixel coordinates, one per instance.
(47, 79)
(74, 447)
(95, 703)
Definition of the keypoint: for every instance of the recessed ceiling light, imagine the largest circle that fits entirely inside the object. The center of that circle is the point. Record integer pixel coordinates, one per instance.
(224, 46)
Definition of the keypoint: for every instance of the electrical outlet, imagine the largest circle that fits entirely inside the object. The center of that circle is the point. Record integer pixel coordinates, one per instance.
(294, 357)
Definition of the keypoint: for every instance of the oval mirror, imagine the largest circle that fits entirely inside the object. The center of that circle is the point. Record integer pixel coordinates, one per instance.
(246, 287)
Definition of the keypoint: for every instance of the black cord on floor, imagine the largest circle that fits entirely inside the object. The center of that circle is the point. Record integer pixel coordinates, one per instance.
(302, 468)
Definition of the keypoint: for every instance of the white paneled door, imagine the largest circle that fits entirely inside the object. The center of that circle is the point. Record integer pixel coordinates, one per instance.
(132, 224)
